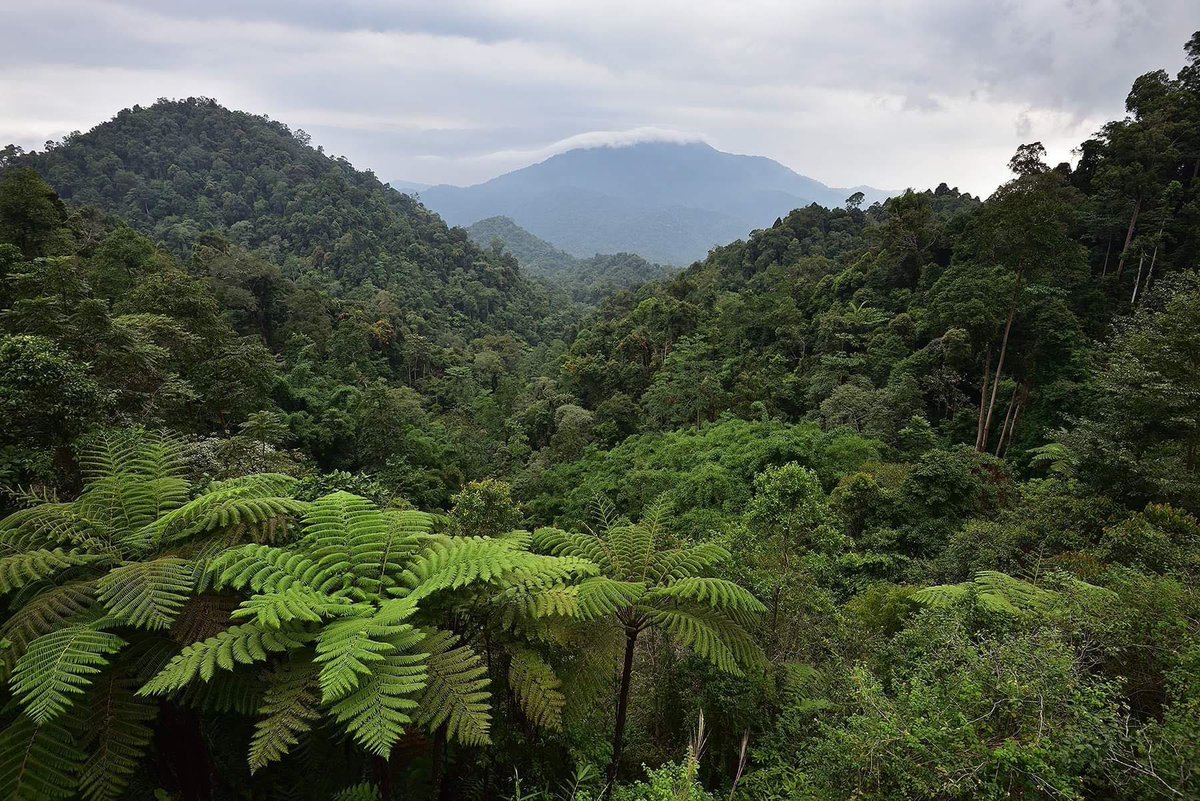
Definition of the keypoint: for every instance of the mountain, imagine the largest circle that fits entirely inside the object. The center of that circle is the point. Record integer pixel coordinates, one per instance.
(667, 201)
(535, 254)
(586, 280)
(179, 170)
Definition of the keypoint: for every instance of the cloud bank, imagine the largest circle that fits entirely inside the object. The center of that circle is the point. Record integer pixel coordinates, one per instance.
(847, 91)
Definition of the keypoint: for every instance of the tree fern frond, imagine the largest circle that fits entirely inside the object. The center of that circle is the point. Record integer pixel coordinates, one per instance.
(343, 533)
(537, 689)
(600, 595)
(455, 693)
(51, 525)
(238, 692)
(714, 592)
(38, 762)
(717, 639)
(264, 568)
(243, 644)
(289, 708)
(456, 562)
(358, 792)
(567, 543)
(255, 504)
(680, 563)
(377, 711)
(296, 603)
(21, 569)
(148, 594)
(347, 650)
(992, 590)
(43, 613)
(116, 737)
(59, 665)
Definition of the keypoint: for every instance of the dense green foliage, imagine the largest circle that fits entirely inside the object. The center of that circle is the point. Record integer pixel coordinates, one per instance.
(312, 498)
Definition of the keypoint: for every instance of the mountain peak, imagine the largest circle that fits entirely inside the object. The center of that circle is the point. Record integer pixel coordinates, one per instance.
(665, 196)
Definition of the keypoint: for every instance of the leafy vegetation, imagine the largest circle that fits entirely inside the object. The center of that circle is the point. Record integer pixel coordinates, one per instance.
(309, 497)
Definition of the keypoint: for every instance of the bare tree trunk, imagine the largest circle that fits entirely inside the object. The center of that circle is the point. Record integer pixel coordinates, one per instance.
(1138, 280)
(622, 709)
(1107, 252)
(1012, 403)
(1129, 236)
(1012, 429)
(983, 391)
(1012, 312)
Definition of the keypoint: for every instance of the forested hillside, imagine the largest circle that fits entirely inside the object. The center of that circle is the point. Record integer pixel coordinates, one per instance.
(310, 497)
(588, 280)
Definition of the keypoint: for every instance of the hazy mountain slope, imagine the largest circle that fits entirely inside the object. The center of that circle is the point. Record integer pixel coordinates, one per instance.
(178, 169)
(587, 280)
(536, 255)
(667, 201)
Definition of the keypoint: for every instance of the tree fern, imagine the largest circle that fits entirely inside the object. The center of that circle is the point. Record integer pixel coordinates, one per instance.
(149, 594)
(38, 762)
(60, 665)
(455, 693)
(377, 711)
(997, 592)
(289, 709)
(537, 688)
(117, 734)
(243, 645)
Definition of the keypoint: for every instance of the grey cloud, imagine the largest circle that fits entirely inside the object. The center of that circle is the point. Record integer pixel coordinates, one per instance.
(849, 91)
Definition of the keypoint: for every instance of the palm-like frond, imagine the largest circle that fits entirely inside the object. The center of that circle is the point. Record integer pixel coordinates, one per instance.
(455, 693)
(60, 665)
(149, 594)
(997, 592)
(289, 708)
(38, 762)
(537, 688)
(117, 735)
(43, 613)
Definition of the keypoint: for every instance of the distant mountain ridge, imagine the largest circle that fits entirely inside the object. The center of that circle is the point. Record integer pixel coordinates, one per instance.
(667, 201)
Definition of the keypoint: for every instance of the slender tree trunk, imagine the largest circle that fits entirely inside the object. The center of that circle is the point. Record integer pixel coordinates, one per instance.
(983, 391)
(1138, 280)
(1150, 272)
(383, 776)
(1012, 403)
(186, 753)
(1107, 252)
(1128, 237)
(1012, 312)
(622, 708)
(438, 758)
(1012, 429)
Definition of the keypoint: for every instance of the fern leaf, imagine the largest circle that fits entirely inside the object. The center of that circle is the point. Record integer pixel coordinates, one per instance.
(681, 563)
(117, 736)
(39, 565)
(713, 592)
(289, 708)
(263, 568)
(537, 689)
(600, 596)
(377, 711)
(38, 762)
(60, 665)
(358, 792)
(243, 644)
(717, 639)
(43, 613)
(297, 603)
(348, 650)
(565, 543)
(148, 594)
(456, 692)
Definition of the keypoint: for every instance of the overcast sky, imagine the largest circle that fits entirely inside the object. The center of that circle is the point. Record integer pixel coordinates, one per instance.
(891, 94)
